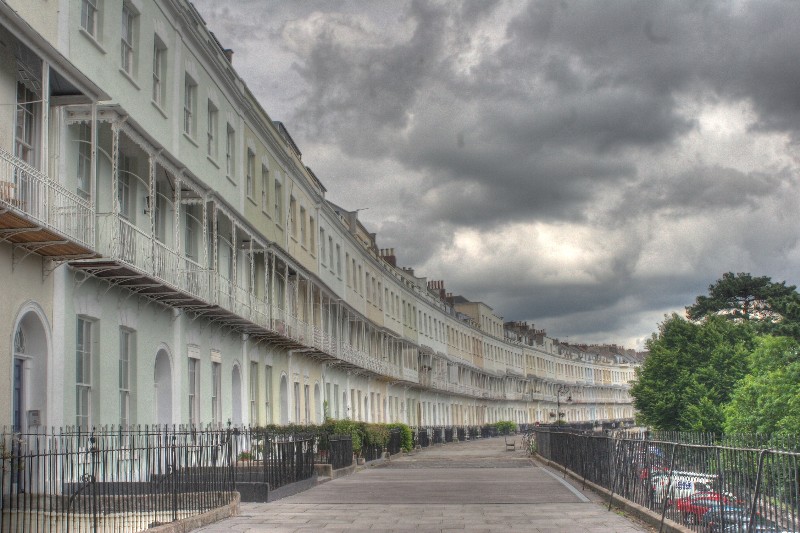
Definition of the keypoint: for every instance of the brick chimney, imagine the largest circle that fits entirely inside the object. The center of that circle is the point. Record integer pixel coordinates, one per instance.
(387, 254)
(437, 287)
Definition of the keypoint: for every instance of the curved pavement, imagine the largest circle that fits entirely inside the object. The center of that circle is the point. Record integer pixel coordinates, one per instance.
(469, 486)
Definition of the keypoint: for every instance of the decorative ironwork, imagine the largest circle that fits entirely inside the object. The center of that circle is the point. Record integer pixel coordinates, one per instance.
(19, 340)
(737, 488)
(129, 479)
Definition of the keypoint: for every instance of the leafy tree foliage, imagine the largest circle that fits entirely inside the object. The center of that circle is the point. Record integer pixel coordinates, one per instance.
(743, 297)
(767, 400)
(733, 366)
(788, 307)
(691, 372)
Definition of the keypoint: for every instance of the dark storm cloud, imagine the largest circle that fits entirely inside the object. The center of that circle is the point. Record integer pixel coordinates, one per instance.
(554, 186)
(572, 78)
(581, 310)
(708, 188)
(590, 118)
(740, 50)
(360, 94)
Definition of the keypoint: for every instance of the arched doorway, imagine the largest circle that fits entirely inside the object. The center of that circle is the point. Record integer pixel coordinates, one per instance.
(162, 379)
(236, 396)
(29, 374)
(284, 397)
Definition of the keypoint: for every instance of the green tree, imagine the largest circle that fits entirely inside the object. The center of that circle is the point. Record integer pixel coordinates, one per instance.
(767, 400)
(690, 373)
(788, 307)
(744, 297)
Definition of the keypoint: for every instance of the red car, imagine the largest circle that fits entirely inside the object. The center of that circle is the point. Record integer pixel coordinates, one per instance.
(694, 506)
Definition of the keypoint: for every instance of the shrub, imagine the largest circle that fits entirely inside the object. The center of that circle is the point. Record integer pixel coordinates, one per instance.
(376, 435)
(354, 429)
(505, 427)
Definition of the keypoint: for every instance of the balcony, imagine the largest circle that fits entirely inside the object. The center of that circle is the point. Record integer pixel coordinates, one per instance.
(40, 216)
(131, 258)
(134, 260)
(465, 390)
(515, 396)
(409, 374)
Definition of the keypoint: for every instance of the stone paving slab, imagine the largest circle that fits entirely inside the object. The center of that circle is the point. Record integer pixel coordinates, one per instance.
(583, 518)
(466, 487)
(441, 485)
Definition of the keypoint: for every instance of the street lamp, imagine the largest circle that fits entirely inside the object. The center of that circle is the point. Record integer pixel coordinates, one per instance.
(562, 390)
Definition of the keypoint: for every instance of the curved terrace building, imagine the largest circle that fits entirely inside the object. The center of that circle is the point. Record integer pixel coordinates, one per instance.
(167, 257)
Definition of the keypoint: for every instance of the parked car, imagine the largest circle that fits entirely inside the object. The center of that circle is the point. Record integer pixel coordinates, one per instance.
(719, 517)
(736, 519)
(651, 461)
(681, 484)
(762, 525)
(694, 506)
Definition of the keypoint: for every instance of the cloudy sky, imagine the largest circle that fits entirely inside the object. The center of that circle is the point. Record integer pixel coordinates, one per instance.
(586, 166)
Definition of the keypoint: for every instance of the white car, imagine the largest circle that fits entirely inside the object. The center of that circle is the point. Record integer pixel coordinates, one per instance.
(682, 484)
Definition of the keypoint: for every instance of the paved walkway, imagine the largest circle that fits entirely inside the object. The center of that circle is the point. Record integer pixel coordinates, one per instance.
(470, 486)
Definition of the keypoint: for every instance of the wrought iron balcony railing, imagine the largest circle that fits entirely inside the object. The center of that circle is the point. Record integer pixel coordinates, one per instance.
(40, 214)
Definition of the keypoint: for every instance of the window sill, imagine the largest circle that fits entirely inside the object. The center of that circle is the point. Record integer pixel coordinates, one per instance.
(232, 181)
(265, 213)
(250, 199)
(92, 39)
(212, 161)
(128, 77)
(159, 108)
(190, 139)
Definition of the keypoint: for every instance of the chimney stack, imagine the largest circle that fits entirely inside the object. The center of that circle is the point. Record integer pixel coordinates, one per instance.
(437, 286)
(387, 254)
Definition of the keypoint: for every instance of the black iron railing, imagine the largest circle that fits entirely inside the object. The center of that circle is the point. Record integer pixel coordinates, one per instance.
(341, 451)
(371, 452)
(394, 445)
(489, 431)
(422, 437)
(291, 461)
(709, 488)
(788, 442)
(335, 450)
(112, 479)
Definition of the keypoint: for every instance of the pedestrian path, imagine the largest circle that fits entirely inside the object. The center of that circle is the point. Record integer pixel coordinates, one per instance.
(469, 486)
